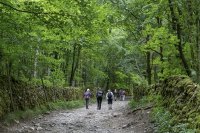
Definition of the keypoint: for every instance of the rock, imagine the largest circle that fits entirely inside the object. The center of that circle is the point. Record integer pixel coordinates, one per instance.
(47, 113)
(43, 124)
(52, 124)
(88, 117)
(91, 129)
(124, 126)
(32, 128)
(64, 123)
(20, 131)
(115, 114)
(37, 124)
(39, 128)
(27, 129)
(39, 117)
(90, 113)
(70, 127)
(96, 126)
(16, 121)
(127, 125)
(47, 129)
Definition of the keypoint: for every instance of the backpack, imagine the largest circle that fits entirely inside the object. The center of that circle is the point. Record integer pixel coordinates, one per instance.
(99, 94)
(87, 95)
(109, 95)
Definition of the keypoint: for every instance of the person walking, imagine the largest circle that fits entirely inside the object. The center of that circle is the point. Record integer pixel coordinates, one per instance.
(99, 96)
(109, 97)
(120, 95)
(115, 94)
(87, 96)
(123, 95)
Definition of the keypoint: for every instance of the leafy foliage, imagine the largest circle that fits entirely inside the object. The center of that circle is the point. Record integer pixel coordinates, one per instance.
(99, 43)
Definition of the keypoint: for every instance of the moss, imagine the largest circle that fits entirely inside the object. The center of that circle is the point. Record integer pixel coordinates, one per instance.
(182, 98)
(21, 95)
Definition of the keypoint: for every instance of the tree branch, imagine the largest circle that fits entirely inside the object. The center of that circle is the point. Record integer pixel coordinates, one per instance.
(129, 10)
(31, 12)
(154, 51)
(7, 5)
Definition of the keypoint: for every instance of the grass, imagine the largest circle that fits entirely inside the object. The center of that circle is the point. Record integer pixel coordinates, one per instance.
(141, 103)
(64, 105)
(164, 122)
(161, 118)
(30, 113)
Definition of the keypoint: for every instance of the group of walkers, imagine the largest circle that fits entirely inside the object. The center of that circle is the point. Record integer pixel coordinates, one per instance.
(110, 96)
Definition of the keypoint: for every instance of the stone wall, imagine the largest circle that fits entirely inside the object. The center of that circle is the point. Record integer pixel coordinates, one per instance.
(181, 96)
(17, 95)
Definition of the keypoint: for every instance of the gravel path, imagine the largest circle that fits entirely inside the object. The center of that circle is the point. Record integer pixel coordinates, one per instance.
(118, 120)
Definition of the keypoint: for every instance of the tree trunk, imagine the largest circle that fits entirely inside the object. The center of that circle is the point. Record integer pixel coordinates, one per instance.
(161, 48)
(177, 27)
(148, 70)
(149, 67)
(65, 65)
(75, 62)
(190, 28)
(9, 68)
(198, 48)
(36, 59)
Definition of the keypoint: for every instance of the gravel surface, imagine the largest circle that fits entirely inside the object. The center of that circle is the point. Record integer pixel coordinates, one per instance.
(118, 120)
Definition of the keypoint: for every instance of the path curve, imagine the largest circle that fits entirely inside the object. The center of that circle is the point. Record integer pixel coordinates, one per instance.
(118, 120)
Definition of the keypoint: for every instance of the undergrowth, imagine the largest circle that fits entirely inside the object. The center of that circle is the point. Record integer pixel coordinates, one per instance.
(144, 101)
(30, 113)
(164, 123)
(162, 119)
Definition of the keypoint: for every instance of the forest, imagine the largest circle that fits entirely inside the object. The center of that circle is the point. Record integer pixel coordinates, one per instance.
(150, 48)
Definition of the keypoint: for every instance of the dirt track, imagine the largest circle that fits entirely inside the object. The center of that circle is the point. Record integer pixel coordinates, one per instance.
(119, 120)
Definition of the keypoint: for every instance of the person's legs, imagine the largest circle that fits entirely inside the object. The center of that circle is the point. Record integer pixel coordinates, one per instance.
(123, 97)
(109, 104)
(100, 101)
(87, 103)
(97, 103)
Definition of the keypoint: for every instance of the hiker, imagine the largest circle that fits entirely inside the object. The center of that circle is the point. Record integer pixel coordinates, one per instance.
(120, 95)
(115, 94)
(99, 96)
(87, 96)
(109, 97)
(123, 95)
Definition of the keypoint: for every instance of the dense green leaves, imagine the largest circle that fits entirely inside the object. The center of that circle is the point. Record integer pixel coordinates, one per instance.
(100, 43)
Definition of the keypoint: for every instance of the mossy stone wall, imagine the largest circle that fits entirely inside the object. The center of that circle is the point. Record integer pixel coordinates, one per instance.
(19, 96)
(182, 97)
